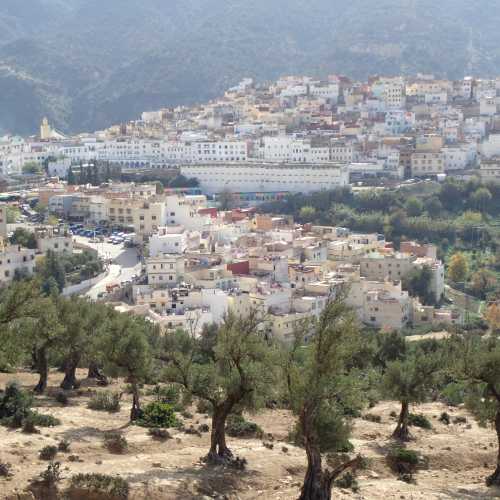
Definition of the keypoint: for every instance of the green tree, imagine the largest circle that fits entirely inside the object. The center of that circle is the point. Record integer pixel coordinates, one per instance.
(307, 213)
(226, 200)
(482, 282)
(324, 394)
(126, 352)
(410, 381)
(24, 238)
(43, 337)
(52, 267)
(414, 207)
(479, 362)
(71, 177)
(418, 283)
(434, 207)
(32, 168)
(233, 370)
(82, 321)
(481, 199)
(458, 268)
(13, 214)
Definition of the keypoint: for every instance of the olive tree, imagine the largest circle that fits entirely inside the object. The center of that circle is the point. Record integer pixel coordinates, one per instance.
(480, 364)
(126, 352)
(231, 370)
(324, 394)
(409, 381)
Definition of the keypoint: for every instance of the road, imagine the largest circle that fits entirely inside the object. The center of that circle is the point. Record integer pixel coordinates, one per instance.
(123, 264)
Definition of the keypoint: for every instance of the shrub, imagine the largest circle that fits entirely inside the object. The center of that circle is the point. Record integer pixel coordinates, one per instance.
(105, 401)
(204, 407)
(460, 420)
(29, 425)
(393, 414)
(52, 474)
(62, 397)
(48, 452)
(157, 414)
(169, 394)
(5, 469)
(347, 481)
(15, 405)
(403, 460)
(453, 394)
(63, 446)
(115, 442)
(161, 434)
(186, 414)
(112, 488)
(372, 418)
(43, 420)
(444, 418)
(419, 421)
(203, 428)
(237, 426)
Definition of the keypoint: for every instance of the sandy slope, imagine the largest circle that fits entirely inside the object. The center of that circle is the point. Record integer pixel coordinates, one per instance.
(460, 456)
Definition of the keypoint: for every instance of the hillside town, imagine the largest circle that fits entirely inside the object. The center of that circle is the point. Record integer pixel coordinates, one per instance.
(189, 259)
(309, 248)
(295, 134)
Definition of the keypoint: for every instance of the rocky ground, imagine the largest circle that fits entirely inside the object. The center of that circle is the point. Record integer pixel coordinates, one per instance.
(459, 456)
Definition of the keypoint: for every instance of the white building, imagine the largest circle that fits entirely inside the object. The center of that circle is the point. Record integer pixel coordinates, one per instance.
(261, 177)
(165, 270)
(165, 242)
(15, 258)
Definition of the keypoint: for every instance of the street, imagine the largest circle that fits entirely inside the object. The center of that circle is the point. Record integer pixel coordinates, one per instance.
(124, 264)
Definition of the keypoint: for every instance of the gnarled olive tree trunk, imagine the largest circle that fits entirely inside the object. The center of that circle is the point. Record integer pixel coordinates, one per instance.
(42, 368)
(318, 482)
(70, 381)
(494, 479)
(218, 448)
(402, 431)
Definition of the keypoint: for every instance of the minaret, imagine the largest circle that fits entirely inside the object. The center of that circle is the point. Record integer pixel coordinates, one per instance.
(45, 130)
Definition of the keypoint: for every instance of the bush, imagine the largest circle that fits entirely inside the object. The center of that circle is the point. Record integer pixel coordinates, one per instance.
(204, 407)
(112, 488)
(43, 420)
(62, 397)
(63, 446)
(419, 421)
(347, 481)
(161, 434)
(393, 414)
(203, 428)
(29, 425)
(237, 426)
(5, 469)
(115, 442)
(403, 460)
(52, 474)
(186, 414)
(15, 405)
(372, 418)
(460, 420)
(105, 401)
(169, 394)
(453, 394)
(444, 418)
(48, 452)
(157, 414)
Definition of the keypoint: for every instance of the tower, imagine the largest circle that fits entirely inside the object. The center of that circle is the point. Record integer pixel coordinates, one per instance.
(45, 129)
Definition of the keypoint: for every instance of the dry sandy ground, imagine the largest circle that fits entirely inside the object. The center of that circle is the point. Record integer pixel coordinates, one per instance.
(460, 456)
